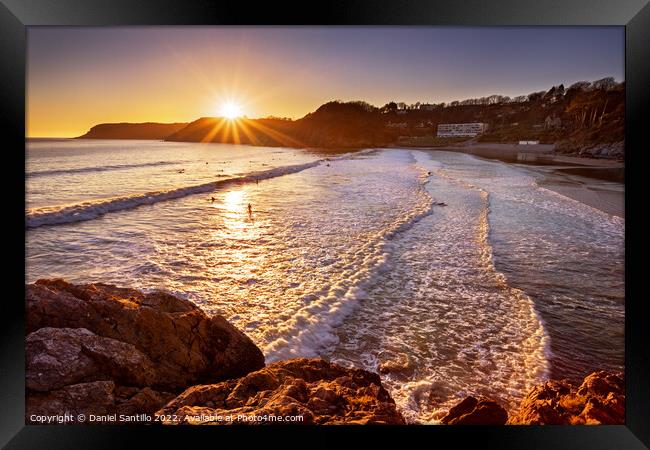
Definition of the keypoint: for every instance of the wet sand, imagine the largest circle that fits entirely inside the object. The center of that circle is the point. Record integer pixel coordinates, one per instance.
(607, 196)
(598, 183)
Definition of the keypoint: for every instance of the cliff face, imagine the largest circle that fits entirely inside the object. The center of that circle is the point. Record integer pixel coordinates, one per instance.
(147, 130)
(334, 124)
(586, 119)
(263, 132)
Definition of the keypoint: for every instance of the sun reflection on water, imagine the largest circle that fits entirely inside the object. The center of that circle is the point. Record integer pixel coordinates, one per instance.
(236, 220)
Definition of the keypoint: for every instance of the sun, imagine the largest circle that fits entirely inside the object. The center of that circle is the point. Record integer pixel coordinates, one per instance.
(230, 110)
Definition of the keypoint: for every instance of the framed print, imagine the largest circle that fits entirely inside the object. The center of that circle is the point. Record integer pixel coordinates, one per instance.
(361, 219)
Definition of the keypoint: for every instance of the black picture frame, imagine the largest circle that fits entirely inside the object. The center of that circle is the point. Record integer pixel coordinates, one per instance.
(16, 15)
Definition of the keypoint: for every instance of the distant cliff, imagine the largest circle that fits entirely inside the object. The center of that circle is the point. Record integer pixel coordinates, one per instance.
(334, 124)
(586, 119)
(148, 130)
(265, 132)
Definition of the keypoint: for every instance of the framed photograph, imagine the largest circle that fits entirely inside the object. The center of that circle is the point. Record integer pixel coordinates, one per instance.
(357, 219)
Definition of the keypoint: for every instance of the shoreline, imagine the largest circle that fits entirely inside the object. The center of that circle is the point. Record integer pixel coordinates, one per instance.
(608, 197)
(597, 183)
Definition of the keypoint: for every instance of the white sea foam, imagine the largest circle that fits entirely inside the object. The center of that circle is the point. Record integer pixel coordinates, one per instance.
(313, 327)
(350, 261)
(103, 168)
(441, 322)
(56, 215)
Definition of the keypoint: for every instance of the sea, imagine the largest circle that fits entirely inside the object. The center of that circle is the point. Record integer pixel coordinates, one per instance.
(448, 274)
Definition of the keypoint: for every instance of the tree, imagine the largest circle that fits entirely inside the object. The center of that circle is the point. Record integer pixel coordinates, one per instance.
(605, 84)
(535, 96)
(580, 86)
(389, 107)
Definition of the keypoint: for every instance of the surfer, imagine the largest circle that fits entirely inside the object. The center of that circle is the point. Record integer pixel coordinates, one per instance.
(250, 211)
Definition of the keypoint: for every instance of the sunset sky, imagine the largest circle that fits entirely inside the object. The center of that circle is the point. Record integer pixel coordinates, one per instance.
(78, 77)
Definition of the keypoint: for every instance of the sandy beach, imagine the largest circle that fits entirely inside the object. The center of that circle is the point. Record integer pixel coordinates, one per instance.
(598, 183)
(606, 196)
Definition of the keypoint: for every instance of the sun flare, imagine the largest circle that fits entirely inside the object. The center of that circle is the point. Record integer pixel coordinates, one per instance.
(230, 110)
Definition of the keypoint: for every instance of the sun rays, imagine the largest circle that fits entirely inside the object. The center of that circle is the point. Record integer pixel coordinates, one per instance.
(241, 130)
(230, 110)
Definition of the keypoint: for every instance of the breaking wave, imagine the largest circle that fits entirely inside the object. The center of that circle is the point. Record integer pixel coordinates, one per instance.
(44, 173)
(88, 210)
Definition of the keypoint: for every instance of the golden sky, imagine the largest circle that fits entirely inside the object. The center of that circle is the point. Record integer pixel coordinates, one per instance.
(79, 77)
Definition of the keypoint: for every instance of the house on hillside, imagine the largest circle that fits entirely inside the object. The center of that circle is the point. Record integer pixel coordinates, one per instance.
(461, 129)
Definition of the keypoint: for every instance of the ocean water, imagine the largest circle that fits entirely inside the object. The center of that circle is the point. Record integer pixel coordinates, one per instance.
(348, 257)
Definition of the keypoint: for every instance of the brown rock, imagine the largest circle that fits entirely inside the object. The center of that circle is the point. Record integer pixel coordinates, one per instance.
(318, 391)
(99, 398)
(56, 357)
(183, 345)
(398, 365)
(600, 399)
(473, 411)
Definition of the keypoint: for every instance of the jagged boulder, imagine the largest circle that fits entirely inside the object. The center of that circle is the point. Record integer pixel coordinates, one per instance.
(600, 399)
(57, 357)
(177, 343)
(317, 391)
(476, 411)
(103, 399)
(99, 349)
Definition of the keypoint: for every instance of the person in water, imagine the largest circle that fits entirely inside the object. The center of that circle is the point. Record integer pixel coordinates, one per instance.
(250, 210)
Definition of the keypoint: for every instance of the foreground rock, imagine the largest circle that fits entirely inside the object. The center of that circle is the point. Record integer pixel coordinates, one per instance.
(99, 350)
(97, 398)
(183, 344)
(316, 391)
(473, 411)
(112, 349)
(600, 399)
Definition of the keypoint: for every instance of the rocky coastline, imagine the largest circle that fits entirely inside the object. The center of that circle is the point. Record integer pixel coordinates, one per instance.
(125, 356)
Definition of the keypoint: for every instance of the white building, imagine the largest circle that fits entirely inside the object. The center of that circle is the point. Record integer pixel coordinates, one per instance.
(461, 129)
(528, 142)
